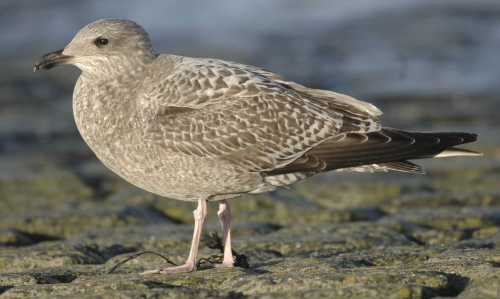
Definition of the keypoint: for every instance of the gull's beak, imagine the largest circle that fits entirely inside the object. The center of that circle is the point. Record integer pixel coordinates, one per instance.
(51, 60)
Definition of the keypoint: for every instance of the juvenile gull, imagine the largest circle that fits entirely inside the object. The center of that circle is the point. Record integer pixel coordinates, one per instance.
(199, 129)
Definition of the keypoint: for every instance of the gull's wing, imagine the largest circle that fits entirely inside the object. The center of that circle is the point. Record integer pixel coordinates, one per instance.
(246, 115)
(387, 149)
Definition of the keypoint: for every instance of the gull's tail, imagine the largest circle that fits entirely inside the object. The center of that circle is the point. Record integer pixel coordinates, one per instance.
(387, 149)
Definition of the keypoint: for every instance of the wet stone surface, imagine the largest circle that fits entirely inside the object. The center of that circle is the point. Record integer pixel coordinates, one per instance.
(66, 221)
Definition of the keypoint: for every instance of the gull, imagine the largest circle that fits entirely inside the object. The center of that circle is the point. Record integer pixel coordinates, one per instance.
(202, 129)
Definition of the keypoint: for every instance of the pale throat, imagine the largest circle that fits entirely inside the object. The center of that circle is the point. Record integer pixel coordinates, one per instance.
(111, 67)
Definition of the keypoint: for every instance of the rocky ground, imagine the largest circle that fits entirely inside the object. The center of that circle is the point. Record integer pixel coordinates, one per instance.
(66, 221)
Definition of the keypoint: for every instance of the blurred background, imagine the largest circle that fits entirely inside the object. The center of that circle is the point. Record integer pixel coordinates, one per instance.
(429, 65)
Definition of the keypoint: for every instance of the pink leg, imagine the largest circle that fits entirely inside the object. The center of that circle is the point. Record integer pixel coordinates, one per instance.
(224, 214)
(190, 265)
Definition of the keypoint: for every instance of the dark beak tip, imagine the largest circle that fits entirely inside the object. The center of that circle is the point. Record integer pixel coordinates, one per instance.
(50, 60)
(41, 65)
(36, 67)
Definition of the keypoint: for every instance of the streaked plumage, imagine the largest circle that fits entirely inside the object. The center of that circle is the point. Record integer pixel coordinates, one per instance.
(205, 129)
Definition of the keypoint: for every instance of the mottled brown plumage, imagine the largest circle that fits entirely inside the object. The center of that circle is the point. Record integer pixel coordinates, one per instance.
(201, 129)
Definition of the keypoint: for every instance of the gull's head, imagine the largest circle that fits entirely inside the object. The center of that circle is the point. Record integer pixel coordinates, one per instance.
(102, 46)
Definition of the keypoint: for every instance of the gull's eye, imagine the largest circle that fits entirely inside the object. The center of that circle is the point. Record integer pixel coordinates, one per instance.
(101, 41)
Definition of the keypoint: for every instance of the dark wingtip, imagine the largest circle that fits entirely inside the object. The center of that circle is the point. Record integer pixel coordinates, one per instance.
(467, 137)
(471, 137)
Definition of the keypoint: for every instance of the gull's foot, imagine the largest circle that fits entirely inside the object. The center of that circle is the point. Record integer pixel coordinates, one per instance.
(225, 265)
(187, 267)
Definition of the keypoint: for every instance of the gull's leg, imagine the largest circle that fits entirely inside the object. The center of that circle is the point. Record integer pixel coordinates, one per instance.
(224, 214)
(190, 265)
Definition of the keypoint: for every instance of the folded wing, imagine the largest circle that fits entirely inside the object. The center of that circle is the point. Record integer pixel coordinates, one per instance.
(246, 115)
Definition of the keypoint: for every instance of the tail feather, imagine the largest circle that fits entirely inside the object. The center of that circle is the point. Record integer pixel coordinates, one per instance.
(400, 166)
(404, 166)
(457, 152)
(388, 147)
